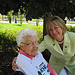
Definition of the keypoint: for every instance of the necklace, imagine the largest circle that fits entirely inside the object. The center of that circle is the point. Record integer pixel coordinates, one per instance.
(61, 42)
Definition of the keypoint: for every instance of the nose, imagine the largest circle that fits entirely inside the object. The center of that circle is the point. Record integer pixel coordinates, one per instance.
(54, 31)
(35, 45)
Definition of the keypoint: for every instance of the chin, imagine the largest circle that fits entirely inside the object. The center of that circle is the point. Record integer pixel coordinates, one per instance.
(34, 53)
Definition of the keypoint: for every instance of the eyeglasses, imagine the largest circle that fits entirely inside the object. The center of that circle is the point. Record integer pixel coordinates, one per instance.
(31, 44)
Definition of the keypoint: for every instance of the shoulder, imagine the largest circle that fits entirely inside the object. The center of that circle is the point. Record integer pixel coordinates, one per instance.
(21, 58)
(47, 38)
(22, 61)
(39, 54)
(71, 35)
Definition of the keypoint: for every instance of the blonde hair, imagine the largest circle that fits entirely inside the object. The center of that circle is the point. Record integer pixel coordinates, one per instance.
(57, 21)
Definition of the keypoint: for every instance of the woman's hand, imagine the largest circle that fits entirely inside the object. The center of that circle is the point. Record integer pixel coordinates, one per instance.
(14, 65)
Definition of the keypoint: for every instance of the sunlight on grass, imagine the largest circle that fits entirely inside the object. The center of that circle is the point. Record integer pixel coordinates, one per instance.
(17, 26)
(72, 22)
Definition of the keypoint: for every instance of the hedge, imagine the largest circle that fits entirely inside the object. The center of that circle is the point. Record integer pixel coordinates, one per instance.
(70, 28)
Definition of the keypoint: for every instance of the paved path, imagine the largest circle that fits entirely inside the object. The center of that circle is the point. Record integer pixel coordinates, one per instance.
(41, 23)
(30, 22)
(70, 24)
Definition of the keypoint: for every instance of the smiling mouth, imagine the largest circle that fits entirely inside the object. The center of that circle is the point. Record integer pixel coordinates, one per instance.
(56, 35)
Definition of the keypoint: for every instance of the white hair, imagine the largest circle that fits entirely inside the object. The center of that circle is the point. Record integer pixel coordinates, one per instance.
(24, 32)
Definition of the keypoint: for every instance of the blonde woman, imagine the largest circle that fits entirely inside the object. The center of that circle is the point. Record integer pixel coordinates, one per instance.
(61, 44)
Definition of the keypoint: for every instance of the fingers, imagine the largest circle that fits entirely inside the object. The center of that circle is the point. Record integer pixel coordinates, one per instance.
(14, 69)
(14, 62)
(14, 65)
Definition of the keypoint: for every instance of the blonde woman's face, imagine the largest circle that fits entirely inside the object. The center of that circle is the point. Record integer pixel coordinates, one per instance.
(30, 45)
(56, 32)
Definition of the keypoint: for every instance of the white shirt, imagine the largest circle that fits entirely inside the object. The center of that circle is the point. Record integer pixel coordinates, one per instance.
(31, 67)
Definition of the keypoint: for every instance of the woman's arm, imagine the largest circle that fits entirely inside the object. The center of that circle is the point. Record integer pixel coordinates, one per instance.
(50, 68)
(42, 46)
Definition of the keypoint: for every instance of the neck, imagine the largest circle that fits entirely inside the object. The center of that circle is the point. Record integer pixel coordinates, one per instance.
(25, 54)
(61, 42)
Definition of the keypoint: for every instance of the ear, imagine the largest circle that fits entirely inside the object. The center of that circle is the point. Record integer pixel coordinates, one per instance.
(21, 46)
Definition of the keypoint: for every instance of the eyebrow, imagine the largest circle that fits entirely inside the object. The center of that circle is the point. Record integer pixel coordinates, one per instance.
(31, 41)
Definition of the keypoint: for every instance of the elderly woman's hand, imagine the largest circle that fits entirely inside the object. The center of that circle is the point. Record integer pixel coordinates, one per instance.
(14, 65)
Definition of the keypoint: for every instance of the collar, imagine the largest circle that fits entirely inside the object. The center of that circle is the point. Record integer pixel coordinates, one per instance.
(25, 54)
(66, 43)
(66, 38)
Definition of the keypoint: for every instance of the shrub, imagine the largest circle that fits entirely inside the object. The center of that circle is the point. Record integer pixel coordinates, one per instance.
(70, 28)
(7, 51)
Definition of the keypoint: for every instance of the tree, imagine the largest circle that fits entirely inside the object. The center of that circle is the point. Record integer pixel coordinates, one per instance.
(8, 5)
(20, 17)
(10, 16)
(37, 8)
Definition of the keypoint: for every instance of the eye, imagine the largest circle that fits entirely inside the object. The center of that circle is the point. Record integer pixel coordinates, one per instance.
(29, 44)
(56, 28)
(50, 30)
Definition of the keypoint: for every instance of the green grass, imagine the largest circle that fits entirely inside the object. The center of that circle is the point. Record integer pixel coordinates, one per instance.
(73, 22)
(14, 26)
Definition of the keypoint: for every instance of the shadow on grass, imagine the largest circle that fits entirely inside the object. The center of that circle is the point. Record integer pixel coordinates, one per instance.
(18, 25)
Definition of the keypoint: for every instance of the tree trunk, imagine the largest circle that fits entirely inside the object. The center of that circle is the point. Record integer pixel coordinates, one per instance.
(46, 53)
(44, 27)
(15, 20)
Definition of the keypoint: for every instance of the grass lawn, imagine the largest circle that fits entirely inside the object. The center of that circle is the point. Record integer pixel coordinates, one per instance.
(72, 22)
(18, 27)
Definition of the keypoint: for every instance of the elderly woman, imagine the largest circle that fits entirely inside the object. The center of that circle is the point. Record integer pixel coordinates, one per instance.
(29, 60)
(61, 44)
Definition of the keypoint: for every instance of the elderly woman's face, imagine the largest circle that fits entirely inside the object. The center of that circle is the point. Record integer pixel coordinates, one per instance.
(56, 32)
(30, 45)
